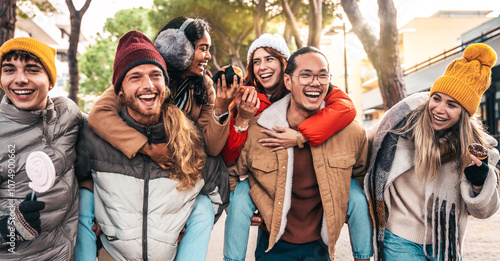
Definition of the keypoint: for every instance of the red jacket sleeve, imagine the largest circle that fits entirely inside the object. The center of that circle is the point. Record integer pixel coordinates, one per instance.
(233, 145)
(235, 141)
(339, 112)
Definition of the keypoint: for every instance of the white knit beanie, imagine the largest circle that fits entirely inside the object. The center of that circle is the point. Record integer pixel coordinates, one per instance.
(274, 41)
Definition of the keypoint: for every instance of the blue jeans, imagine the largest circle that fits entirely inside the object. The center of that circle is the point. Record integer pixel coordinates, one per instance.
(194, 243)
(359, 222)
(241, 209)
(284, 251)
(398, 248)
(86, 248)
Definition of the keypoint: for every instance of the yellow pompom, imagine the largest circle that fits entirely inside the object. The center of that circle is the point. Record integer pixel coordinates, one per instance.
(481, 52)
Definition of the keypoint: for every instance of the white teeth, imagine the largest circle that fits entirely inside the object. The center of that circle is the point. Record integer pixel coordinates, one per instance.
(266, 75)
(147, 96)
(312, 93)
(439, 118)
(23, 92)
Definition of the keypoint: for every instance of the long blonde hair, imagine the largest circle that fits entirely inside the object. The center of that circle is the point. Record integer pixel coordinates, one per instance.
(184, 142)
(427, 144)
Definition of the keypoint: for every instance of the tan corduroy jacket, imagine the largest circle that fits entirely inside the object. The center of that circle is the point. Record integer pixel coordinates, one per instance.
(105, 121)
(336, 161)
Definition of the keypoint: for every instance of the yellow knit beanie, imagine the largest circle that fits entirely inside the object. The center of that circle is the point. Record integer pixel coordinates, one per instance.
(467, 78)
(45, 53)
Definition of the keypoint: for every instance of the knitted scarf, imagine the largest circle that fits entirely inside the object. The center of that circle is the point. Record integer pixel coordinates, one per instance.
(380, 167)
(442, 190)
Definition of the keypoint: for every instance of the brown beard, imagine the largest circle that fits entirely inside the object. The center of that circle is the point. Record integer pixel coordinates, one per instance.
(147, 119)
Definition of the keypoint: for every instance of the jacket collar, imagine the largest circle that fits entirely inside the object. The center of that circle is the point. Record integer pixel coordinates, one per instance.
(157, 131)
(275, 115)
(27, 117)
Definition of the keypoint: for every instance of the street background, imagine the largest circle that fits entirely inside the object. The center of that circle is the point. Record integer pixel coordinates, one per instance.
(482, 241)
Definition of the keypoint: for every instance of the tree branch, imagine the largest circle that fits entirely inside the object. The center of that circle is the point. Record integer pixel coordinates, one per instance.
(362, 29)
(85, 7)
(389, 35)
(71, 6)
(291, 19)
(315, 18)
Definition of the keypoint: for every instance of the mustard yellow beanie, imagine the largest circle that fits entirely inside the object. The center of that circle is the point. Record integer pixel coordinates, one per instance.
(467, 78)
(45, 53)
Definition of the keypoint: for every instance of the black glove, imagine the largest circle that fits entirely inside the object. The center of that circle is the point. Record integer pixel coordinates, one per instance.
(24, 223)
(477, 174)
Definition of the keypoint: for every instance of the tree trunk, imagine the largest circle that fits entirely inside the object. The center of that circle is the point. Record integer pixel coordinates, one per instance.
(7, 24)
(74, 38)
(234, 46)
(295, 7)
(315, 19)
(391, 74)
(290, 17)
(388, 67)
(7, 20)
(259, 15)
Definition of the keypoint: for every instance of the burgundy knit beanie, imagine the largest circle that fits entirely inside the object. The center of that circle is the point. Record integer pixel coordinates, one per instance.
(133, 50)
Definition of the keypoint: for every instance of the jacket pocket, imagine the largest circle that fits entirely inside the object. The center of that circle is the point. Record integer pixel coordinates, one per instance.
(264, 164)
(340, 173)
(265, 171)
(342, 162)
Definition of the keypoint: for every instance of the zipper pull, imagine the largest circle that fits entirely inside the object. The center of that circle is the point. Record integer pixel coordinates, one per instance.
(148, 135)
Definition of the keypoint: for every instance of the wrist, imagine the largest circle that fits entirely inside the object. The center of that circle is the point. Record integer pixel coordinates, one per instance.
(241, 122)
(145, 149)
(240, 129)
(219, 111)
(300, 144)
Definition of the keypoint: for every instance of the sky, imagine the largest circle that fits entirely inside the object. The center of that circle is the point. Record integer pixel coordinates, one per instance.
(99, 10)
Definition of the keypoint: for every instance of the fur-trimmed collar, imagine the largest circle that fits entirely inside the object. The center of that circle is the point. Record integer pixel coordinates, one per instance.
(275, 115)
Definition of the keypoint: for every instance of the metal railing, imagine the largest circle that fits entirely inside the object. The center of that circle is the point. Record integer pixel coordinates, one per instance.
(432, 60)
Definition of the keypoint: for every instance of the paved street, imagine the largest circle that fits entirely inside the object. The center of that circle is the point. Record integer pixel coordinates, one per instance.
(482, 241)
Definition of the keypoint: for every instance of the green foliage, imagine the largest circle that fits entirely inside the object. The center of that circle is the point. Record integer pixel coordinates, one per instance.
(231, 22)
(130, 19)
(29, 5)
(97, 66)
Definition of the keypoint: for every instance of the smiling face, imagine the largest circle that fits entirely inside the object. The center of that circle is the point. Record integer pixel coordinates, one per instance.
(26, 83)
(267, 70)
(201, 57)
(144, 90)
(444, 111)
(307, 98)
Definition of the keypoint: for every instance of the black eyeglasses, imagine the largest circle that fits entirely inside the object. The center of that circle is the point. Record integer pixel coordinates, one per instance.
(308, 78)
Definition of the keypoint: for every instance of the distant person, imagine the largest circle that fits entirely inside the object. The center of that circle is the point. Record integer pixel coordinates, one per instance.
(45, 227)
(267, 60)
(422, 180)
(185, 45)
(140, 207)
(301, 193)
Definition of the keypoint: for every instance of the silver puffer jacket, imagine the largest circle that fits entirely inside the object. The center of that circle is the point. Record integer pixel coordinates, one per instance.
(55, 132)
